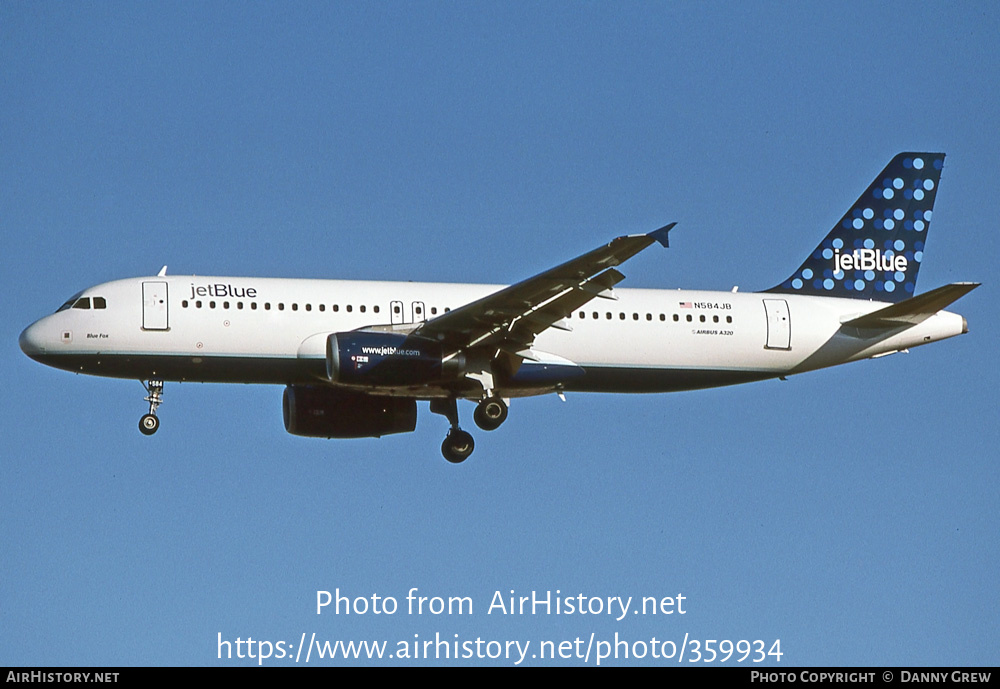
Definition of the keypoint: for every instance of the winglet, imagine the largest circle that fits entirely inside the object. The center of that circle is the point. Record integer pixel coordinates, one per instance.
(660, 235)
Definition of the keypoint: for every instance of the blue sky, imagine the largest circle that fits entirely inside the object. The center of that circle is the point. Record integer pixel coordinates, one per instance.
(850, 513)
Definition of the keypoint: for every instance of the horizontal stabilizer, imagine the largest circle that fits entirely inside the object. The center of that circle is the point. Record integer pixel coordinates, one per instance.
(914, 310)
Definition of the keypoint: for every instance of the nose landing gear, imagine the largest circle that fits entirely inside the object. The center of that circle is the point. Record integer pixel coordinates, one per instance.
(149, 423)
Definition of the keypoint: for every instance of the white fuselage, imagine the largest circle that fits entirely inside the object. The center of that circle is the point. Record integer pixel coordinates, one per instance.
(267, 330)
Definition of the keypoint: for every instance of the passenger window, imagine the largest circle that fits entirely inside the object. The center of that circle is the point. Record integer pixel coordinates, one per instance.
(253, 306)
(184, 303)
(375, 309)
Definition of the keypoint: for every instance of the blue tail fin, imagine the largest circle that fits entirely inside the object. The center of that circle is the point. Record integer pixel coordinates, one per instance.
(875, 251)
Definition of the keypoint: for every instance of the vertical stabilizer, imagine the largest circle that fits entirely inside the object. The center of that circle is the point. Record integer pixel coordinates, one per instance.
(875, 251)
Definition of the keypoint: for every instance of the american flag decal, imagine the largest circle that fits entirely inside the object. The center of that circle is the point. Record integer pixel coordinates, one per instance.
(686, 305)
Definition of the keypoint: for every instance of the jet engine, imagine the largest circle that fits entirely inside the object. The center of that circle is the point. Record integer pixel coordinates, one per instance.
(320, 412)
(389, 359)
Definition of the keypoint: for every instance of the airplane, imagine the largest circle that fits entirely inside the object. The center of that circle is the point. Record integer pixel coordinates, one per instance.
(356, 356)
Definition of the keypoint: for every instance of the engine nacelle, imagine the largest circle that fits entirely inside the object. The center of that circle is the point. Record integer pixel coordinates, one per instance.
(320, 412)
(388, 359)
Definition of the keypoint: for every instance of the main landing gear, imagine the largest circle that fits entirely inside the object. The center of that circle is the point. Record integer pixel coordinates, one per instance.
(149, 423)
(458, 444)
(490, 413)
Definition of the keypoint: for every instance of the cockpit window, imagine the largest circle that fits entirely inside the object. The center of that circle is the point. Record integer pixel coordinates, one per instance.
(69, 303)
(78, 302)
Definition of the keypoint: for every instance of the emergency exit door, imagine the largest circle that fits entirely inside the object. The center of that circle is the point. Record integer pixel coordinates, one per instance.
(417, 308)
(396, 312)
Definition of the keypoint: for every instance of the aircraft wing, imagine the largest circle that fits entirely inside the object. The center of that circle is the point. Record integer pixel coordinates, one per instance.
(512, 317)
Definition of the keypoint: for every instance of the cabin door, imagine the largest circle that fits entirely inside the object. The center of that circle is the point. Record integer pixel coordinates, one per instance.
(779, 326)
(155, 314)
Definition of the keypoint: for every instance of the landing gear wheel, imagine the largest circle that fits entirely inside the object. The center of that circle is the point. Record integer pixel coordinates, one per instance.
(490, 413)
(149, 424)
(457, 446)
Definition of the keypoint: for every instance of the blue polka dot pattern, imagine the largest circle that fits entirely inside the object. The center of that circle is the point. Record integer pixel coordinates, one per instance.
(875, 251)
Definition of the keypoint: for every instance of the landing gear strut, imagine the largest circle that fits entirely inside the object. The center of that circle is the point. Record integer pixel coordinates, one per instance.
(149, 423)
(458, 444)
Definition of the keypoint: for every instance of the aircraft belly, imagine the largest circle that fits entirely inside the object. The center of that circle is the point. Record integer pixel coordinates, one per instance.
(191, 367)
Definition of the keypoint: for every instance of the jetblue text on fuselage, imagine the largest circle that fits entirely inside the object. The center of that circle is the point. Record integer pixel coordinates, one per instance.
(869, 259)
(220, 289)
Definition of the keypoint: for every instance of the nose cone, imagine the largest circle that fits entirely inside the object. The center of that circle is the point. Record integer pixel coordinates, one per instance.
(31, 341)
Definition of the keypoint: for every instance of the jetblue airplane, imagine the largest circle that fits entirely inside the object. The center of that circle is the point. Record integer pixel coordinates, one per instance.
(355, 356)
